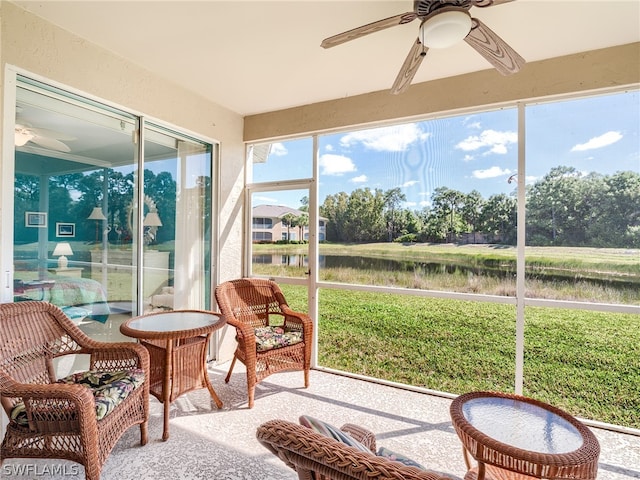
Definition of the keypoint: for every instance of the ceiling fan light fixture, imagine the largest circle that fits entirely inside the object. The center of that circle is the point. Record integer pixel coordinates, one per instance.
(445, 29)
(21, 137)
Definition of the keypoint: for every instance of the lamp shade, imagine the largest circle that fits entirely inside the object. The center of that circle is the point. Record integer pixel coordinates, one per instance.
(152, 219)
(445, 28)
(96, 214)
(62, 249)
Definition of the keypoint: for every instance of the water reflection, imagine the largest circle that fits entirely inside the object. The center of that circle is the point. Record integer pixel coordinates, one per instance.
(497, 269)
(435, 268)
(385, 264)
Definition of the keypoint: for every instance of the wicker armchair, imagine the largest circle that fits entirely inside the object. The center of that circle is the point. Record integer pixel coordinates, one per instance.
(59, 420)
(250, 304)
(317, 457)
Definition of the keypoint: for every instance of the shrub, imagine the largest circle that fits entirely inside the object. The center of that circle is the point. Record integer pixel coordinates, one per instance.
(407, 238)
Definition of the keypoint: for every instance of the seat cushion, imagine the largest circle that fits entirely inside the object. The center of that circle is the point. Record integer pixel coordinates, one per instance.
(398, 457)
(268, 338)
(109, 390)
(330, 431)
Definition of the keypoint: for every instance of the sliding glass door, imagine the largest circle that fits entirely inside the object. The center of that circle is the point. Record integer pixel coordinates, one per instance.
(113, 216)
(177, 221)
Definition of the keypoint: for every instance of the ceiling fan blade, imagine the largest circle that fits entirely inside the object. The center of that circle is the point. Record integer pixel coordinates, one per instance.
(45, 132)
(489, 3)
(495, 50)
(51, 144)
(367, 29)
(409, 67)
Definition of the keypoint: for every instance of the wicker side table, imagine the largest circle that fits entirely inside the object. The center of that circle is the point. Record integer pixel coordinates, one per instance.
(177, 344)
(515, 437)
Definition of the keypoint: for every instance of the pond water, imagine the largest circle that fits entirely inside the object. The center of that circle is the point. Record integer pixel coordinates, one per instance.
(498, 269)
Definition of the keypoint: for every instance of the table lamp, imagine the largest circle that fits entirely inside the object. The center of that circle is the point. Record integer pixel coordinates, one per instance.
(152, 219)
(151, 223)
(61, 251)
(96, 214)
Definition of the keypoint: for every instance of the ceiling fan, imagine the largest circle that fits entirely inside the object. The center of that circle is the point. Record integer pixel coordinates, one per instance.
(442, 24)
(41, 136)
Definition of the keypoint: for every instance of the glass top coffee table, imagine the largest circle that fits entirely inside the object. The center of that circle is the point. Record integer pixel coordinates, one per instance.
(177, 343)
(511, 436)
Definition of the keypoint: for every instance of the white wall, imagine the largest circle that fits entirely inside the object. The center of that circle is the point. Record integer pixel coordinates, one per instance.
(36, 48)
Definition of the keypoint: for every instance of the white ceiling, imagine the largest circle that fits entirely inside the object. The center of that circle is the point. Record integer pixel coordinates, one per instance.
(259, 56)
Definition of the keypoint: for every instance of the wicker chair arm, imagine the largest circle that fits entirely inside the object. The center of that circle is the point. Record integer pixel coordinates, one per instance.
(233, 321)
(245, 334)
(291, 316)
(63, 391)
(118, 356)
(364, 436)
(44, 401)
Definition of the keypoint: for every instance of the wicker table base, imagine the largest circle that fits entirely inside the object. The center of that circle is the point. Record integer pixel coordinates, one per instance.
(495, 473)
(177, 343)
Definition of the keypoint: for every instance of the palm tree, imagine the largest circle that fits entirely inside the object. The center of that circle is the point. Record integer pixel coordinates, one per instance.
(288, 220)
(301, 221)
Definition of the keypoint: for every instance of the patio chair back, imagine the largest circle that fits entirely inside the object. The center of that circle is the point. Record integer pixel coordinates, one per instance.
(252, 302)
(31, 340)
(317, 457)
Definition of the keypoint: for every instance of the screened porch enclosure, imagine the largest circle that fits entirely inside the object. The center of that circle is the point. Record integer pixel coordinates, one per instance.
(492, 249)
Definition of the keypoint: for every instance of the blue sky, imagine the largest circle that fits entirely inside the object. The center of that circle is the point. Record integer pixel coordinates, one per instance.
(465, 152)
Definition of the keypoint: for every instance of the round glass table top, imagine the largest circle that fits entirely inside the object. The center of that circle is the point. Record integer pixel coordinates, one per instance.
(522, 425)
(172, 321)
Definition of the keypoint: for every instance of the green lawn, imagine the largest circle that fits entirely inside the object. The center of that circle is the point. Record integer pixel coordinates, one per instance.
(586, 362)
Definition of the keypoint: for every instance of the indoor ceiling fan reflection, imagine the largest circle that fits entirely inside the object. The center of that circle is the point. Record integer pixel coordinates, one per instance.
(43, 137)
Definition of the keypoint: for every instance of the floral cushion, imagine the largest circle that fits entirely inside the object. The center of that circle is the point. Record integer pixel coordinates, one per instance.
(268, 338)
(109, 390)
(398, 457)
(332, 432)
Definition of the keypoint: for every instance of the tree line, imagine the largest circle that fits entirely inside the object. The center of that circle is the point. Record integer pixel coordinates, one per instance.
(71, 198)
(564, 208)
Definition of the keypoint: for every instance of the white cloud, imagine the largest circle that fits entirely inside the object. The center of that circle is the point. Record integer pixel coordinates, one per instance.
(360, 179)
(468, 158)
(386, 139)
(331, 164)
(500, 149)
(470, 122)
(427, 199)
(490, 172)
(494, 141)
(598, 142)
(328, 147)
(530, 179)
(410, 204)
(408, 184)
(278, 149)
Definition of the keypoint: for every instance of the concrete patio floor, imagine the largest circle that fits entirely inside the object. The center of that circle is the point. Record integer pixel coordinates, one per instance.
(212, 444)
